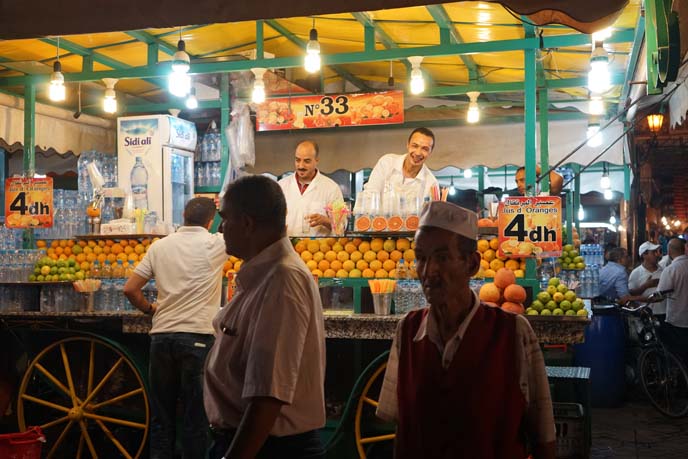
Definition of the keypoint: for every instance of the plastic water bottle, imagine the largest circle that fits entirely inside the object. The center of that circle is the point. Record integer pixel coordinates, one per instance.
(105, 286)
(139, 184)
(95, 270)
(595, 280)
(400, 291)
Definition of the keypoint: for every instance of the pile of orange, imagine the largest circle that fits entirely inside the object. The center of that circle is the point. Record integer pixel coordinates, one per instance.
(490, 262)
(504, 292)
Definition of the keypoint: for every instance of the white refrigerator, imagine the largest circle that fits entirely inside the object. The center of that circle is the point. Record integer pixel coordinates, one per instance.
(166, 146)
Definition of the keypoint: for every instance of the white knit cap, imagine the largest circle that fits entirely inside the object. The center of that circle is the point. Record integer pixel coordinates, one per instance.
(450, 217)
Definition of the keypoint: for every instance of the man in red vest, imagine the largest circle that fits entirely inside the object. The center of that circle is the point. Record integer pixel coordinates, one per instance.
(464, 380)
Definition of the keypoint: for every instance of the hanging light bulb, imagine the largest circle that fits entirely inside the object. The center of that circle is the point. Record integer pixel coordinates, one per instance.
(664, 221)
(312, 61)
(110, 100)
(677, 223)
(596, 106)
(667, 227)
(581, 213)
(417, 81)
(605, 182)
(467, 173)
(621, 228)
(191, 100)
(56, 90)
(179, 80)
(258, 94)
(452, 190)
(608, 195)
(594, 137)
(612, 219)
(390, 80)
(598, 77)
(473, 114)
(601, 35)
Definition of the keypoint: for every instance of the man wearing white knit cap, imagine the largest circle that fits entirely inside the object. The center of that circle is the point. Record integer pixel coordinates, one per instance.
(463, 379)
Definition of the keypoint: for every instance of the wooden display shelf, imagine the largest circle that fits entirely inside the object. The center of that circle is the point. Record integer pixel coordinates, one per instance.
(95, 237)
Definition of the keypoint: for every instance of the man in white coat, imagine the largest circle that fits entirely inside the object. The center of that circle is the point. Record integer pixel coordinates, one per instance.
(307, 192)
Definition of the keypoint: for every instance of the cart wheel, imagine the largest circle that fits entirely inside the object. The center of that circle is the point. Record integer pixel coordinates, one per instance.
(368, 397)
(89, 399)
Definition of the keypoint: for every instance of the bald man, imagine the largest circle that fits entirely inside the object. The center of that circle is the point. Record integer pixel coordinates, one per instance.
(307, 192)
(675, 277)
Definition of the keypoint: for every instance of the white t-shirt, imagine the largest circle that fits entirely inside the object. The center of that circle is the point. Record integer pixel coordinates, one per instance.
(638, 277)
(319, 193)
(675, 277)
(187, 268)
(390, 169)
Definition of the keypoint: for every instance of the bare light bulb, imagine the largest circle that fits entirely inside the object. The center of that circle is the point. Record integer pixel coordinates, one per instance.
(596, 106)
(605, 182)
(473, 114)
(593, 136)
(258, 93)
(56, 90)
(192, 101)
(598, 76)
(608, 195)
(179, 84)
(467, 173)
(612, 220)
(581, 213)
(312, 60)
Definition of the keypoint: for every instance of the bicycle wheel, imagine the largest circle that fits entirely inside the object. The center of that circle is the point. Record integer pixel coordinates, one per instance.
(665, 382)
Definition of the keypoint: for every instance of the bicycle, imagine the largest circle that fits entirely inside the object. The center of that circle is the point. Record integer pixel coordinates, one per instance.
(663, 376)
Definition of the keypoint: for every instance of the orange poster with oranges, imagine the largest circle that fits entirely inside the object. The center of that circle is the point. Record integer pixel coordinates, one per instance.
(331, 110)
(29, 202)
(530, 227)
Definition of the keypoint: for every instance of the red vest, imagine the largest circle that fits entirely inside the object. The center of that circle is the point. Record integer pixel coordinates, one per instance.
(473, 409)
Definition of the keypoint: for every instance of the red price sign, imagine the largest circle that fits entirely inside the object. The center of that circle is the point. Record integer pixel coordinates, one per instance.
(530, 227)
(29, 202)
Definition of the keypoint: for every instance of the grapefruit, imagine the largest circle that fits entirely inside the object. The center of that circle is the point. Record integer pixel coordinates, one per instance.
(515, 293)
(504, 277)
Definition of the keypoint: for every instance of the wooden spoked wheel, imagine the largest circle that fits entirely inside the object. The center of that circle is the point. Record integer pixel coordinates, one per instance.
(368, 402)
(89, 399)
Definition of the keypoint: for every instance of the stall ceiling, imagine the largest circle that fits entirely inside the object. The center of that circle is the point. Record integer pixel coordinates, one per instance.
(499, 62)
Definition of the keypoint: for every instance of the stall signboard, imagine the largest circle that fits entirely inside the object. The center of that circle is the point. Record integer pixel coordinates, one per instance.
(331, 110)
(29, 202)
(530, 227)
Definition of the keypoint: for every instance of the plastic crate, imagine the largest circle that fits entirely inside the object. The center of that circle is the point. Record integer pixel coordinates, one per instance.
(571, 436)
(23, 445)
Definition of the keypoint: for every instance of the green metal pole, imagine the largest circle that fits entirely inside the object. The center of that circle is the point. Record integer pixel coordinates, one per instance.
(530, 121)
(543, 112)
(569, 217)
(627, 181)
(225, 110)
(29, 147)
(576, 198)
(260, 43)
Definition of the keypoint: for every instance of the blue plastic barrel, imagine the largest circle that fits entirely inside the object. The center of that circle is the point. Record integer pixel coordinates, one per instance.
(603, 352)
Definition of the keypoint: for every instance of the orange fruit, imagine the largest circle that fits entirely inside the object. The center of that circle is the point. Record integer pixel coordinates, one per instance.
(329, 273)
(377, 244)
(383, 255)
(317, 256)
(369, 256)
(62, 243)
(512, 265)
(306, 255)
(67, 251)
(81, 258)
(368, 273)
(92, 211)
(342, 256)
(127, 250)
(336, 265)
(133, 257)
(323, 265)
(317, 272)
(146, 242)
(342, 273)
(122, 256)
(389, 265)
(395, 223)
(516, 308)
(82, 244)
(504, 277)
(409, 255)
(403, 244)
(133, 242)
(116, 249)
(361, 265)
(109, 242)
(330, 256)
(101, 243)
(112, 258)
(379, 223)
(412, 222)
(381, 274)
(311, 265)
(515, 293)
(348, 265)
(350, 248)
(395, 255)
(101, 258)
(489, 255)
(300, 246)
(40, 244)
(489, 292)
(362, 223)
(107, 249)
(375, 265)
(312, 246)
(494, 243)
(355, 256)
(91, 257)
(91, 243)
(59, 250)
(496, 264)
(364, 246)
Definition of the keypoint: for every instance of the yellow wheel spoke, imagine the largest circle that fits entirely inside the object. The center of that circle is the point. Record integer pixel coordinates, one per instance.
(81, 448)
(87, 437)
(68, 372)
(377, 439)
(370, 401)
(59, 439)
(91, 367)
(104, 380)
(112, 438)
(40, 401)
(52, 378)
(53, 423)
(119, 398)
(121, 422)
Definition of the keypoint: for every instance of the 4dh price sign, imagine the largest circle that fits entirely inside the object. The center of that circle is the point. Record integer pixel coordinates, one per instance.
(29, 202)
(530, 227)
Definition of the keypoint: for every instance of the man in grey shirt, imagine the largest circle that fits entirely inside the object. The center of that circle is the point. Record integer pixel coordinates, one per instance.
(675, 277)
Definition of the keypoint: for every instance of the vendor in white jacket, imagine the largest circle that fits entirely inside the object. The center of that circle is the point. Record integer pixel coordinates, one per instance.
(307, 192)
(409, 170)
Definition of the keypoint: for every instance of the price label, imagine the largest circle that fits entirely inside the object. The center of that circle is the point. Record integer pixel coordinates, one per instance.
(530, 227)
(29, 202)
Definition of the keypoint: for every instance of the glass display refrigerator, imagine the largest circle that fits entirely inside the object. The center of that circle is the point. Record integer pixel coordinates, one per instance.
(155, 159)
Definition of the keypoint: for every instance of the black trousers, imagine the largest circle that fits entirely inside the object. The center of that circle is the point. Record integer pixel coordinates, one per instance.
(305, 445)
(676, 340)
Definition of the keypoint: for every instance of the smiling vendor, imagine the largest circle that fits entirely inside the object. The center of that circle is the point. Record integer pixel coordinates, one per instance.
(401, 171)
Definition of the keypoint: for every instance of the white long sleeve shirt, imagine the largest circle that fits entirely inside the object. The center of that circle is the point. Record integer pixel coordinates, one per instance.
(319, 193)
(390, 169)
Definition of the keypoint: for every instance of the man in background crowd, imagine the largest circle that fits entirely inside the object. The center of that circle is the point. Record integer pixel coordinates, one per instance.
(675, 277)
